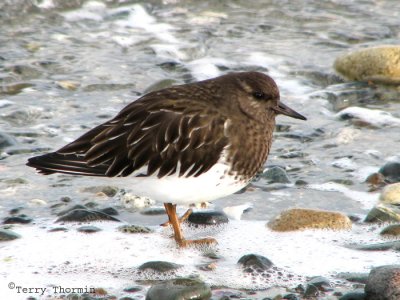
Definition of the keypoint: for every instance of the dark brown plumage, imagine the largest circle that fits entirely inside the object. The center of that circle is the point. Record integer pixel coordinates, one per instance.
(180, 131)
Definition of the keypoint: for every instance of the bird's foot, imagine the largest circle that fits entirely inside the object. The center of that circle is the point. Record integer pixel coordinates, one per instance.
(200, 242)
(182, 219)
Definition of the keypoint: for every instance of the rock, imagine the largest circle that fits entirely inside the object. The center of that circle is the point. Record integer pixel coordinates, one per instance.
(391, 171)
(134, 202)
(110, 211)
(134, 229)
(133, 289)
(391, 230)
(392, 245)
(354, 295)
(159, 266)
(391, 194)
(208, 218)
(68, 210)
(58, 229)
(20, 219)
(109, 191)
(7, 141)
(88, 229)
(315, 285)
(179, 289)
(383, 283)
(68, 84)
(8, 235)
(354, 277)
(255, 262)
(383, 213)
(301, 218)
(85, 215)
(365, 117)
(153, 211)
(291, 297)
(276, 175)
(377, 64)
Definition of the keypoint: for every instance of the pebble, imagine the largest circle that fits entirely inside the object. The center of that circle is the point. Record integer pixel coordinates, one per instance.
(208, 218)
(134, 202)
(8, 235)
(255, 262)
(315, 285)
(134, 229)
(153, 211)
(365, 117)
(88, 229)
(179, 289)
(110, 211)
(109, 191)
(301, 218)
(391, 194)
(159, 266)
(392, 245)
(391, 230)
(391, 171)
(20, 219)
(383, 213)
(383, 283)
(354, 277)
(133, 289)
(276, 175)
(354, 295)
(85, 215)
(379, 64)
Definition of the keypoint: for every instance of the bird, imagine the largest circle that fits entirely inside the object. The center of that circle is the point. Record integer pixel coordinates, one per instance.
(183, 144)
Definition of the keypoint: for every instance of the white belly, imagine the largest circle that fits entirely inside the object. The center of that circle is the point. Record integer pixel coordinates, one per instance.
(213, 184)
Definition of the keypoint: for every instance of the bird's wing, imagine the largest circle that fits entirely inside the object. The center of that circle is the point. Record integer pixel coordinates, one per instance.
(155, 137)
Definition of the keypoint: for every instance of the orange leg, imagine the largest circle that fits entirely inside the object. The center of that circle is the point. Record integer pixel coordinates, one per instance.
(181, 219)
(175, 222)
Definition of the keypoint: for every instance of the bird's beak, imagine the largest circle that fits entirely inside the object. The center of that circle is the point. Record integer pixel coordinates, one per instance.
(286, 110)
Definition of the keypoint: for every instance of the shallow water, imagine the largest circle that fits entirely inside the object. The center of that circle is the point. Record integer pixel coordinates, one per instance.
(65, 68)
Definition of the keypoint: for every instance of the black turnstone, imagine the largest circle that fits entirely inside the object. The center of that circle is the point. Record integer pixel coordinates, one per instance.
(184, 144)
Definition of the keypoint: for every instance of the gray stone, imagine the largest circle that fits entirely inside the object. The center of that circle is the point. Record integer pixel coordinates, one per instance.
(8, 235)
(391, 230)
(20, 219)
(392, 245)
(179, 289)
(255, 262)
(382, 212)
(391, 171)
(354, 295)
(208, 218)
(383, 283)
(88, 229)
(276, 175)
(159, 266)
(134, 229)
(85, 215)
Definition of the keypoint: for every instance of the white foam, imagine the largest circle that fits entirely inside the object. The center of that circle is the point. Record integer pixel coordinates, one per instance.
(109, 258)
(372, 116)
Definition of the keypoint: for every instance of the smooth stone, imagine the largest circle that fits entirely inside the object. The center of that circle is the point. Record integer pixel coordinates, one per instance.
(133, 289)
(301, 218)
(58, 229)
(291, 297)
(379, 64)
(109, 191)
(153, 211)
(134, 229)
(383, 283)
(68, 210)
(179, 289)
(383, 213)
(20, 219)
(354, 277)
(276, 175)
(7, 140)
(354, 295)
(315, 285)
(134, 202)
(392, 245)
(8, 235)
(208, 218)
(391, 194)
(391, 230)
(391, 171)
(159, 266)
(255, 262)
(85, 215)
(110, 211)
(89, 229)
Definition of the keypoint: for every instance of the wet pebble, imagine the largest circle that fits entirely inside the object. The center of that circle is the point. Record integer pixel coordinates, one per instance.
(392, 245)
(133, 289)
(208, 218)
(58, 229)
(380, 64)
(179, 288)
(88, 229)
(85, 215)
(276, 175)
(153, 211)
(354, 277)
(159, 266)
(383, 213)
(8, 235)
(107, 190)
(383, 283)
(391, 171)
(354, 295)
(391, 194)
(20, 219)
(391, 230)
(134, 202)
(302, 218)
(134, 229)
(316, 285)
(110, 211)
(255, 262)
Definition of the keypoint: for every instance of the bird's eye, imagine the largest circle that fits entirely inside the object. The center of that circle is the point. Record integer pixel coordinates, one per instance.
(259, 95)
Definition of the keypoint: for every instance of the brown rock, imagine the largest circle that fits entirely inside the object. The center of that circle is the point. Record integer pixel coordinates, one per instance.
(391, 230)
(383, 283)
(302, 218)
